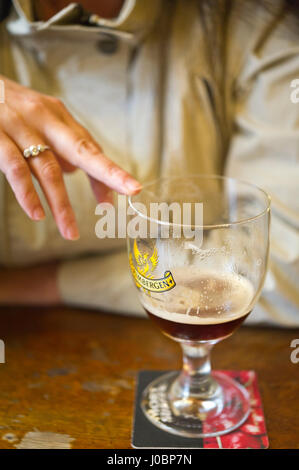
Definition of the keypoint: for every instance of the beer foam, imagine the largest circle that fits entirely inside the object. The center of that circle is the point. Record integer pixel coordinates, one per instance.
(202, 298)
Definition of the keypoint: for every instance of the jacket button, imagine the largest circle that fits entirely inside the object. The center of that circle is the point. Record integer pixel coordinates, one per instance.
(107, 44)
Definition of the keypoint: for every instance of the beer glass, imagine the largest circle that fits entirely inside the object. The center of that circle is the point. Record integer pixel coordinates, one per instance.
(198, 278)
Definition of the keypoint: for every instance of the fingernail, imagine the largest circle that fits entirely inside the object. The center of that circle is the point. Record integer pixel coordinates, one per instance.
(72, 233)
(38, 213)
(133, 186)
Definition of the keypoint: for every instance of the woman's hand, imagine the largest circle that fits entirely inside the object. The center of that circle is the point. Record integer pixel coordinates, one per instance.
(30, 118)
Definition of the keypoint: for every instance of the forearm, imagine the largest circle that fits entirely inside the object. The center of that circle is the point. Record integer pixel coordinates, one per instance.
(35, 285)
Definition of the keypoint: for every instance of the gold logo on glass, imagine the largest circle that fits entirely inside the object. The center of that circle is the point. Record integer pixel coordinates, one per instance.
(145, 267)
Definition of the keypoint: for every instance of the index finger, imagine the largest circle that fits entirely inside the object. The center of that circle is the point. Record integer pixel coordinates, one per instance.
(80, 149)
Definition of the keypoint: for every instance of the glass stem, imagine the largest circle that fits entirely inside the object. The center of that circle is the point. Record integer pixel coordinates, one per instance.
(195, 378)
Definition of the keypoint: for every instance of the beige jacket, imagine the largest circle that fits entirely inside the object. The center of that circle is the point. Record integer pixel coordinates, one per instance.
(166, 88)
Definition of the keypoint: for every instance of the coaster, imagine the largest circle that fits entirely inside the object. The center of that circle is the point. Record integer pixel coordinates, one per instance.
(251, 435)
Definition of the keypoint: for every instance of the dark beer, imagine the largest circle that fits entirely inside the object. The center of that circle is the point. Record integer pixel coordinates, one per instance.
(202, 308)
(196, 332)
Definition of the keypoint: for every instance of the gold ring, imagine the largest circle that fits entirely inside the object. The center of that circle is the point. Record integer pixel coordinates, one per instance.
(35, 150)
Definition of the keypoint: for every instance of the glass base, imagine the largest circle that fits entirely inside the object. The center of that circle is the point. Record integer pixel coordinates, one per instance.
(171, 408)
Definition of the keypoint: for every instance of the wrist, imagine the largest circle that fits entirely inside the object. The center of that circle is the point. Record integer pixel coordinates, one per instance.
(36, 285)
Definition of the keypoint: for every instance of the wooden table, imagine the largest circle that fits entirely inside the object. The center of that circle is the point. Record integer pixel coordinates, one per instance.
(69, 376)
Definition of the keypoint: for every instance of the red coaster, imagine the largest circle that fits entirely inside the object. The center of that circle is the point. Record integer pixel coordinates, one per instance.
(252, 434)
